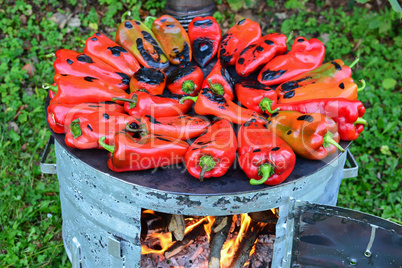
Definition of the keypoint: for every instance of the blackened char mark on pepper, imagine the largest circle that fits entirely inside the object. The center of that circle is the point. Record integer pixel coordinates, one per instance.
(90, 79)
(214, 97)
(271, 75)
(149, 75)
(184, 55)
(162, 139)
(94, 39)
(125, 78)
(89, 127)
(204, 142)
(248, 123)
(306, 117)
(259, 48)
(69, 61)
(153, 62)
(128, 25)
(226, 76)
(203, 23)
(289, 95)
(84, 58)
(337, 66)
(269, 42)
(202, 50)
(342, 85)
(293, 84)
(246, 49)
(241, 22)
(171, 96)
(289, 132)
(257, 150)
(255, 85)
(106, 116)
(241, 61)
(179, 72)
(94, 106)
(153, 120)
(274, 115)
(117, 50)
(275, 149)
(225, 39)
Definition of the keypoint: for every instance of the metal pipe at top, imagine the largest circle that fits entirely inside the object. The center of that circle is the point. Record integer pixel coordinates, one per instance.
(185, 10)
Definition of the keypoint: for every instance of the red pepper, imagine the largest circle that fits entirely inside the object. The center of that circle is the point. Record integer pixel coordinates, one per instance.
(85, 130)
(141, 42)
(183, 127)
(330, 72)
(239, 36)
(347, 114)
(304, 56)
(346, 88)
(78, 64)
(212, 154)
(210, 103)
(107, 50)
(58, 114)
(251, 93)
(260, 52)
(205, 36)
(173, 38)
(142, 103)
(263, 156)
(151, 151)
(186, 78)
(74, 90)
(313, 136)
(220, 81)
(152, 80)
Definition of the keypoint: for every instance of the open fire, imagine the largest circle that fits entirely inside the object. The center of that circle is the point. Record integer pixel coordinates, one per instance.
(244, 240)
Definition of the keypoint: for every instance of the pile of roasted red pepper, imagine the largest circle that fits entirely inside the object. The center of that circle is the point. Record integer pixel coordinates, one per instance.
(132, 96)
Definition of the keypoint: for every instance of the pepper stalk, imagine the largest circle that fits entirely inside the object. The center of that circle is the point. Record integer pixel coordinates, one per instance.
(265, 170)
(207, 163)
(108, 147)
(265, 105)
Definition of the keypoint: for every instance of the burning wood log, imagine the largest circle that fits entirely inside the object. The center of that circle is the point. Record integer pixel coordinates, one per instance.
(243, 250)
(177, 226)
(221, 229)
(266, 216)
(187, 240)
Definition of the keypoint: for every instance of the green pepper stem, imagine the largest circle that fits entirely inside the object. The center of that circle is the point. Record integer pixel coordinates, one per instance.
(188, 86)
(361, 121)
(124, 99)
(108, 147)
(265, 170)
(328, 141)
(354, 63)
(75, 128)
(207, 163)
(217, 88)
(289, 37)
(194, 99)
(265, 105)
(55, 89)
(149, 21)
(363, 85)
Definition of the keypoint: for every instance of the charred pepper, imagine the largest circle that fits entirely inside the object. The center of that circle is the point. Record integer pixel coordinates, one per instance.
(78, 64)
(238, 37)
(205, 36)
(151, 151)
(251, 93)
(85, 130)
(183, 127)
(330, 72)
(173, 38)
(142, 103)
(313, 135)
(107, 50)
(346, 88)
(186, 78)
(263, 156)
(152, 80)
(213, 153)
(141, 42)
(74, 90)
(347, 114)
(304, 56)
(260, 52)
(58, 114)
(210, 103)
(220, 81)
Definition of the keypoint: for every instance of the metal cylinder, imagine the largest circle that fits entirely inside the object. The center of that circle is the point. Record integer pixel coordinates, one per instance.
(186, 10)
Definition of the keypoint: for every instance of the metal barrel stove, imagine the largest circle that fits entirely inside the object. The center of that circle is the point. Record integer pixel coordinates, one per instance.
(101, 209)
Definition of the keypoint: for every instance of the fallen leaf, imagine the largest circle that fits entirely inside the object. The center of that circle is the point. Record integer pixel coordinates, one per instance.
(30, 68)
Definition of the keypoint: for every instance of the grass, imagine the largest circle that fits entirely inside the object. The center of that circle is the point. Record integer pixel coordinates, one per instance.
(30, 217)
